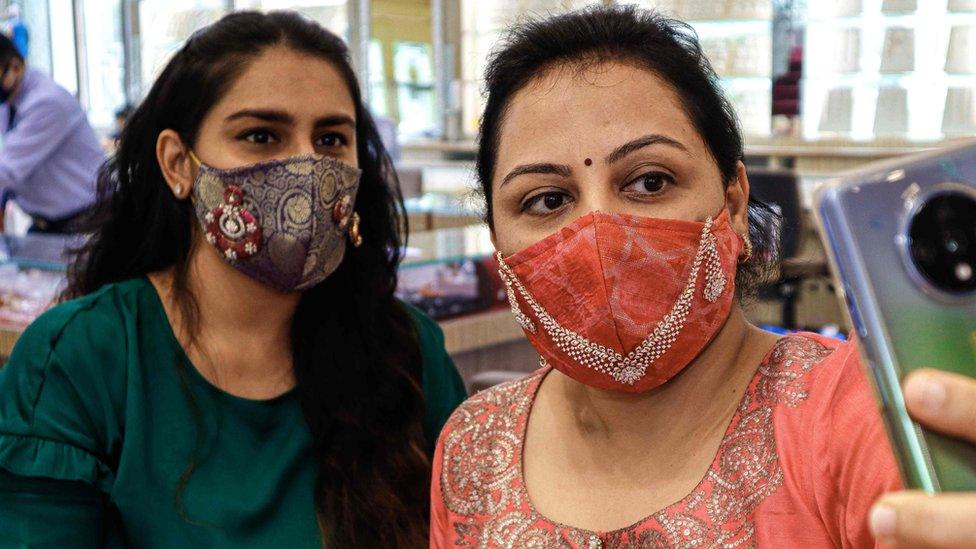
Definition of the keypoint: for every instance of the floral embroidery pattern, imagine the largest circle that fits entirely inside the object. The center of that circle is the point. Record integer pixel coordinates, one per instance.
(482, 485)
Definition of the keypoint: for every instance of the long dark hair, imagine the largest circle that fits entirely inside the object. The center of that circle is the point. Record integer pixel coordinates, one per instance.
(666, 47)
(356, 355)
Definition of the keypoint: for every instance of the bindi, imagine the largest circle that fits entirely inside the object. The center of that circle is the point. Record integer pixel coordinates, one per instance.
(588, 162)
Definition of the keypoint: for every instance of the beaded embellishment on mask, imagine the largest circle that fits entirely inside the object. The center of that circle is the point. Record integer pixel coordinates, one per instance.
(624, 369)
(233, 229)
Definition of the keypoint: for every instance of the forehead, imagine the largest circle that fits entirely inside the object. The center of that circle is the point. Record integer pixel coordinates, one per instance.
(282, 78)
(591, 110)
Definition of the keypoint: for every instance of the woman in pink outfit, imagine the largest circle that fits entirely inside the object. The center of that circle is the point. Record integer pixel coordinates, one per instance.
(620, 208)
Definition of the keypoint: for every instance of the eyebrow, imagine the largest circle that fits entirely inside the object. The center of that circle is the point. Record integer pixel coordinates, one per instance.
(544, 168)
(283, 117)
(632, 146)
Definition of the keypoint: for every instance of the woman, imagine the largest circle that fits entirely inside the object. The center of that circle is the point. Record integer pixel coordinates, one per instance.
(619, 205)
(234, 369)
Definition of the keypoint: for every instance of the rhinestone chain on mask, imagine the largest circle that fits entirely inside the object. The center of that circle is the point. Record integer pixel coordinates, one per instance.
(592, 355)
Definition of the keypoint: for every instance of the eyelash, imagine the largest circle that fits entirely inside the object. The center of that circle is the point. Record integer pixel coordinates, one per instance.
(339, 137)
(528, 203)
(245, 136)
(665, 178)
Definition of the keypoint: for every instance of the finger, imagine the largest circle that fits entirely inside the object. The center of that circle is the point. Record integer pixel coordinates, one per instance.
(916, 519)
(943, 401)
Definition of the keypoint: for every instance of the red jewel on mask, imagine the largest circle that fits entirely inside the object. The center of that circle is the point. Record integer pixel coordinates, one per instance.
(231, 228)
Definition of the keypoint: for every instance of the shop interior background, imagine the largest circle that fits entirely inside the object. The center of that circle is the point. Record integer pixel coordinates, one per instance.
(820, 86)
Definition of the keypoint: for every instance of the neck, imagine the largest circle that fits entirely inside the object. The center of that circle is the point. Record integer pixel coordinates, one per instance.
(242, 328)
(712, 385)
(239, 306)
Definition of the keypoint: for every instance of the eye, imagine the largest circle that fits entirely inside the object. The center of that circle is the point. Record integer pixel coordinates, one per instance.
(546, 203)
(649, 184)
(259, 137)
(331, 140)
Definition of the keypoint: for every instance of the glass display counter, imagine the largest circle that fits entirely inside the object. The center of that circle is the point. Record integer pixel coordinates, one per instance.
(32, 276)
(448, 273)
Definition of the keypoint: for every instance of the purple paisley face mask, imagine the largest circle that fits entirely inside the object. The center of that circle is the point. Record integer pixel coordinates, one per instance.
(282, 222)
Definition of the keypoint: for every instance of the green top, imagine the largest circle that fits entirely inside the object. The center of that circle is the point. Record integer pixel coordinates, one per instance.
(96, 431)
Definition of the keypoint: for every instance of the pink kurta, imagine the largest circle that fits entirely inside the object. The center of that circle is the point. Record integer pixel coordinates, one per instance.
(802, 461)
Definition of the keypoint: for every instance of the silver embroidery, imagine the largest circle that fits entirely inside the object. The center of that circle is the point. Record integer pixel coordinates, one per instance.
(592, 355)
(495, 512)
(714, 276)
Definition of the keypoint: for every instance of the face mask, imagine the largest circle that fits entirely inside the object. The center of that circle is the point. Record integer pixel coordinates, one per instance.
(624, 303)
(282, 222)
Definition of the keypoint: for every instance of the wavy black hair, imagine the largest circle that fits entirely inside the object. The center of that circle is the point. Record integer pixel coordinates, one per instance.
(356, 354)
(666, 47)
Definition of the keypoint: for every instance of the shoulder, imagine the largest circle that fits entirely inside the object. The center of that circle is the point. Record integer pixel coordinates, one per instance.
(62, 393)
(442, 385)
(821, 377)
(429, 333)
(479, 449)
(82, 342)
(47, 97)
(797, 367)
(832, 439)
(500, 411)
(87, 321)
(821, 371)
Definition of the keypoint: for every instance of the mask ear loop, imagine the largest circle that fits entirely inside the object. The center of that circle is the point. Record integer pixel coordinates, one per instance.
(193, 158)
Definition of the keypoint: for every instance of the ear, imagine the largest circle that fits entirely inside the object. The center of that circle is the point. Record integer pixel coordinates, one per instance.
(737, 200)
(175, 163)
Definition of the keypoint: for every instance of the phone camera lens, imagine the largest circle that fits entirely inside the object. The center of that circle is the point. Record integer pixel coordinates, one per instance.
(941, 234)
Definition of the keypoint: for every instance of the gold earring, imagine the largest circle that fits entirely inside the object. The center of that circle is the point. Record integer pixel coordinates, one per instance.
(746, 250)
(354, 236)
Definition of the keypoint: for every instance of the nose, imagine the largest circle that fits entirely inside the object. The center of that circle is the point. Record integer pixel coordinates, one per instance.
(596, 194)
(303, 147)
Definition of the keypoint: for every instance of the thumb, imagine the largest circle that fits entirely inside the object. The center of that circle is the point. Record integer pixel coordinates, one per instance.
(917, 519)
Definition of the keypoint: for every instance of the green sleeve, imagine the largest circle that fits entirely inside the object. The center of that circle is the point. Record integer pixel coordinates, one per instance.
(59, 422)
(443, 388)
(38, 512)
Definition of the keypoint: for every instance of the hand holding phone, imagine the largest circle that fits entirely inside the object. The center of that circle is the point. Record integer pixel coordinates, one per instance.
(944, 402)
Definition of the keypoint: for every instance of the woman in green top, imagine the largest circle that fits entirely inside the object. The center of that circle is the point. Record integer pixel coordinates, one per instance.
(233, 369)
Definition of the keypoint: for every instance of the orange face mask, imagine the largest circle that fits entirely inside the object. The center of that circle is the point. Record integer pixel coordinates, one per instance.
(621, 302)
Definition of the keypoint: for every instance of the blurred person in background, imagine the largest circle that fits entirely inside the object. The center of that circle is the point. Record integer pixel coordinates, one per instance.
(111, 142)
(49, 156)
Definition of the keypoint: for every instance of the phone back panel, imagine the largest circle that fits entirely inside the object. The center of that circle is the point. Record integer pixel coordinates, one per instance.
(903, 323)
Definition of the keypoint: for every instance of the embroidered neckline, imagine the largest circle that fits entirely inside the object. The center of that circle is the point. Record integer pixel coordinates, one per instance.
(531, 391)
(743, 472)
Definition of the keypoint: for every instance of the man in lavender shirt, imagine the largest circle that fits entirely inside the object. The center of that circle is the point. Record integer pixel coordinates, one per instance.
(49, 156)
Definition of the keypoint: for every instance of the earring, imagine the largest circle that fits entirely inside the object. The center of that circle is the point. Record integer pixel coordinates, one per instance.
(178, 191)
(354, 236)
(746, 250)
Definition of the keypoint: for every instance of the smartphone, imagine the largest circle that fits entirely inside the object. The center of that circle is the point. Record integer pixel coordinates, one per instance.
(901, 240)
